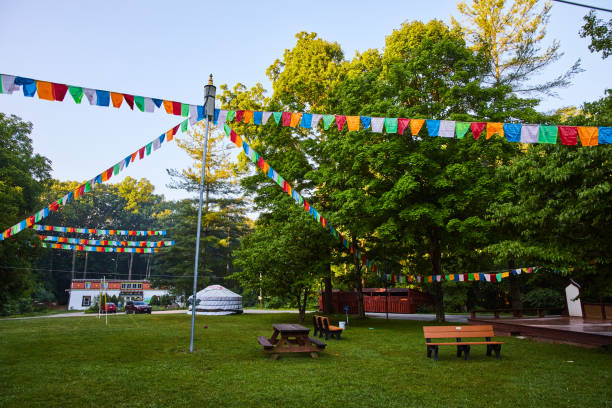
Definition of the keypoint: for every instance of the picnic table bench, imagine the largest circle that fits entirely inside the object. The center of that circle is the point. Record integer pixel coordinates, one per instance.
(290, 338)
(322, 326)
(459, 333)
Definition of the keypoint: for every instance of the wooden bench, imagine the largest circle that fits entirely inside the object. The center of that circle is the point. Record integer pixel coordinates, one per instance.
(265, 343)
(458, 333)
(318, 343)
(321, 325)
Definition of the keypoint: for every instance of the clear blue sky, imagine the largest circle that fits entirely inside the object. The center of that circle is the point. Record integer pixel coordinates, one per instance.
(167, 49)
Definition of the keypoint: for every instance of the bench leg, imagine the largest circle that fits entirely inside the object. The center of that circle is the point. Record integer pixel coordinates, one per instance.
(429, 350)
(435, 353)
(459, 350)
(326, 336)
(498, 351)
(466, 351)
(489, 348)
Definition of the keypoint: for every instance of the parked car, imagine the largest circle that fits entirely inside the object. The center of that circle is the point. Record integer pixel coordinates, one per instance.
(109, 307)
(137, 306)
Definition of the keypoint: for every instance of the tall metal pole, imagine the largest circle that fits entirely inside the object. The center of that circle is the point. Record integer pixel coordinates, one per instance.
(130, 269)
(73, 261)
(209, 110)
(85, 268)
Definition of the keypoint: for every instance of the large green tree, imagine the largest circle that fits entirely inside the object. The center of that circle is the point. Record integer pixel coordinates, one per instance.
(510, 33)
(23, 177)
(285, 256)
(561, 207)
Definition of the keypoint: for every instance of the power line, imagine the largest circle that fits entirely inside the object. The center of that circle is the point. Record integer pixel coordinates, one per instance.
(583, 5)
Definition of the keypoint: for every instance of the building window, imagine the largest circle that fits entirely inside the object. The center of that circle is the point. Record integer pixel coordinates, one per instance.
(86, 301)
(87, 285)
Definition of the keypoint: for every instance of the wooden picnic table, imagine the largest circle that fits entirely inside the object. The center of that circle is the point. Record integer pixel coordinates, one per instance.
(291, 338)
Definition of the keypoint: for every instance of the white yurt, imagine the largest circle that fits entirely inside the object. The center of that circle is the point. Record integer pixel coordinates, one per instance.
(216, 300)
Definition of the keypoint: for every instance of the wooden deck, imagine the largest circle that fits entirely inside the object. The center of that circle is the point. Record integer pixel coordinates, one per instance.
(557, 329)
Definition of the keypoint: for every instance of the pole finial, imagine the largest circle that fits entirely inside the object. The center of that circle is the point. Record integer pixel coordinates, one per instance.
(210, 80)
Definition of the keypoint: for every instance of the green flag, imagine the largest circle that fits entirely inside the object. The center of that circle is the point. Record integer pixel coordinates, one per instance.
(327, 121)
(76, 92)
(499, 277)
(391, 125)
(548, 134)
(116, 168)
(277, 116)
(230, 115)
(470, 276)
(461, 129)
(184, 126)
(139, 101)
(280, 181)
(227, 129)
(87, 188)
(1, 91)
(184, 109)
(148, 148)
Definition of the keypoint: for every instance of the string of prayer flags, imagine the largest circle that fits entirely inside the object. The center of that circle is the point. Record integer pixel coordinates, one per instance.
(51, 91)
(79, 241)
(88, 248)
(460, 277)
(96, 231)
(90, 184)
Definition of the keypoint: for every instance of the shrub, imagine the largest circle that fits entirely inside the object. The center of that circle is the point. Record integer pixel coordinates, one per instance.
(543, 297)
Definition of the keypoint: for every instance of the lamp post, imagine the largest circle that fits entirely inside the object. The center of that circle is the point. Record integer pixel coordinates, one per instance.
(209, 111)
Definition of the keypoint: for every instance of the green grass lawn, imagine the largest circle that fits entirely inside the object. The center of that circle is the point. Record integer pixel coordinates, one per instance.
(143, 361)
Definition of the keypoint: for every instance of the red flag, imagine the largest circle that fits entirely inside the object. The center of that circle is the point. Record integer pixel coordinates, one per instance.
(306, 205)
(568, 135)
(176, 108)
(261, 162)
(286, 118)
(233, 136)
(109, 174)
(239, 115)
(477, 128)
(59, 91)
(129, 99)
(402, 124)
(175, 129)
(340, 121)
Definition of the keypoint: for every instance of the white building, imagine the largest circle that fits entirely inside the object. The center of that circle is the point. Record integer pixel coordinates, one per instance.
(84, 292)
(217, 300)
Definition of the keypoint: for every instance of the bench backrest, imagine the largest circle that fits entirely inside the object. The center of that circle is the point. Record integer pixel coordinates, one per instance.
(443, 332)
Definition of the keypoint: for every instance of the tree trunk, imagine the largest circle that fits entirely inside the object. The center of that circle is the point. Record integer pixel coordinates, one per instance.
(358, 277)
(515, 290)
(328, 304)
(436, 267)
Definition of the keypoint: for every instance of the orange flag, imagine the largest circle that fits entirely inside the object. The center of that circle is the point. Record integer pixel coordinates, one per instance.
(588, 135)
(117, 99)
(353, 123)
(168, 106)
(169, 135)
(416, 125)
(295, 119)
(45, 90)
(248, 116)
(495, 127)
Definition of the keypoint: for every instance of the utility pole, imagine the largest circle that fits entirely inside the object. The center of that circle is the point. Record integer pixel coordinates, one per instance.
(130, 269)
(73, 261)
(85, 268)
(209, 112)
